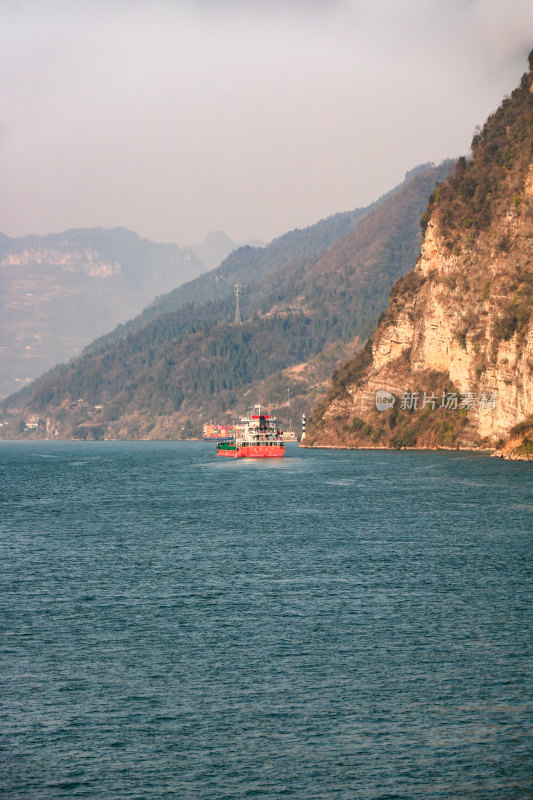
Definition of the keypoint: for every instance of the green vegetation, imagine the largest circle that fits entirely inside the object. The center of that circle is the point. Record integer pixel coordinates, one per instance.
(358, 425)
(525, 449)
(436, 427)
(523, 427)
(516, 312)
(245, 265)
(473, 195)
(353, 371)
(399, 427)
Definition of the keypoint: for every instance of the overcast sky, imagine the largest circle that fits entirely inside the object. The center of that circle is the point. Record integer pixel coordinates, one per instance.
(177, 117)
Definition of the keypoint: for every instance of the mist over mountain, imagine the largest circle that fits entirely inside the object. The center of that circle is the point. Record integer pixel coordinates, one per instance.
(215, 247)
(307, 300)
(58, 292)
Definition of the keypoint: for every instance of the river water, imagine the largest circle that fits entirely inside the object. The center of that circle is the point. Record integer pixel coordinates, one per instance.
(332, 625)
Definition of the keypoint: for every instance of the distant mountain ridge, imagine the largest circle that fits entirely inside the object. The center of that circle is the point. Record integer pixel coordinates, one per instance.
(59, 291)
(215, 248)
(307, 298)
(244, 265)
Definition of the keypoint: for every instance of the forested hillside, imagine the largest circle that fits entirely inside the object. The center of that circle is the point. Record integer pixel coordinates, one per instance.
(157, 376)
(245, 265)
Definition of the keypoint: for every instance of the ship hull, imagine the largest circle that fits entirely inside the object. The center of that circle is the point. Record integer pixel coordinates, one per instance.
(261, 451)
(252, 451)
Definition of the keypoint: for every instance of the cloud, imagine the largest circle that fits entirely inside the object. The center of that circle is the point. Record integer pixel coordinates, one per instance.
(174, 118)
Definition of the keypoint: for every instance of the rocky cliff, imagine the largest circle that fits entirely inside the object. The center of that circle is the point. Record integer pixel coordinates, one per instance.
(451, 362)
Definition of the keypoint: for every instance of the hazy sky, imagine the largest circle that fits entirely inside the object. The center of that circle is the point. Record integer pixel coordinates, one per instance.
(176, 117)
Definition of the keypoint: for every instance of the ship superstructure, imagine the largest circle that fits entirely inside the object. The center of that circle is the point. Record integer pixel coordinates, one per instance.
(257, 436)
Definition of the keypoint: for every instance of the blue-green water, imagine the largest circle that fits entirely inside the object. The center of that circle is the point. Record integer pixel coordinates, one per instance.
(333, 625)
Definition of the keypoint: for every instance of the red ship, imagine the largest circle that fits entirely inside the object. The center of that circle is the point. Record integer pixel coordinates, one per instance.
(256, 437)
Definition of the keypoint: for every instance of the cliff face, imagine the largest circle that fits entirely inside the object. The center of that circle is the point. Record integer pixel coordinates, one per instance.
(455, 348)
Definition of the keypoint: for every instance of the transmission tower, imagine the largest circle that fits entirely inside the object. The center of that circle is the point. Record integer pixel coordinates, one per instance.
(237, 290)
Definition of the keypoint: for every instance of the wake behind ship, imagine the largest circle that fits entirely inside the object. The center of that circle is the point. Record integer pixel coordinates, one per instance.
(256, 437)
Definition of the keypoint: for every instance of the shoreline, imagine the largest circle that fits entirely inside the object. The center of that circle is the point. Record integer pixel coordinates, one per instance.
(489, 451)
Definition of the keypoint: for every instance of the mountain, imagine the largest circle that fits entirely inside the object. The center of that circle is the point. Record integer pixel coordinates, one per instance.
(58, 292)
(450, 363)
(306, 301)
(245, 265)
(214, 249)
